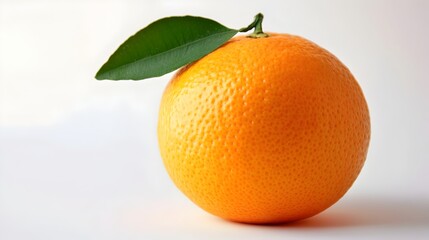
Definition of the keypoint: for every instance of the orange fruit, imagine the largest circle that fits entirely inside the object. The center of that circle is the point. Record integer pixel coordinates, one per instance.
(264, 130)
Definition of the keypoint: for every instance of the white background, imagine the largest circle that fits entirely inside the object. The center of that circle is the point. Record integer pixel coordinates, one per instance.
(79, 157)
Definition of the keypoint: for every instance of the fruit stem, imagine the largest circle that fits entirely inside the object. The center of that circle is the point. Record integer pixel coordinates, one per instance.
(257, 24)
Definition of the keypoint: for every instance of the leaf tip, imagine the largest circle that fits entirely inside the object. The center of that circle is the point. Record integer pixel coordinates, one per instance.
(100, 75)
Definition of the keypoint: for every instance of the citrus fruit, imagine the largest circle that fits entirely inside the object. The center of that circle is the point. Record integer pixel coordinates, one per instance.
(264, 130)
(267, 128)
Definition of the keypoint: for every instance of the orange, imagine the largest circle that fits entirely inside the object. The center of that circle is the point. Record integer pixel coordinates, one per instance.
(264, 130)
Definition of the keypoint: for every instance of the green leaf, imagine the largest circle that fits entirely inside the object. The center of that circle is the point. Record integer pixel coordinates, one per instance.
(164, 46)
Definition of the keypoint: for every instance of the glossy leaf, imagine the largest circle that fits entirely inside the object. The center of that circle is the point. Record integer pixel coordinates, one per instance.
(164, 46)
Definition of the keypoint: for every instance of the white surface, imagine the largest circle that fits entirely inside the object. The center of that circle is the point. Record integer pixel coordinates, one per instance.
(79, 157)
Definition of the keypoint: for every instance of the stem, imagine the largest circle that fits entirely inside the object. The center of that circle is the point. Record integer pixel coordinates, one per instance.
(257, 25)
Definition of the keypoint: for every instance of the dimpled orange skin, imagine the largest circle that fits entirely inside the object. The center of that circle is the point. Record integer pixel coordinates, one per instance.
(263, 131)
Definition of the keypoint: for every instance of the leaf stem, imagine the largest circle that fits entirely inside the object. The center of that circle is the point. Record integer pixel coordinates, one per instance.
(257, 25)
